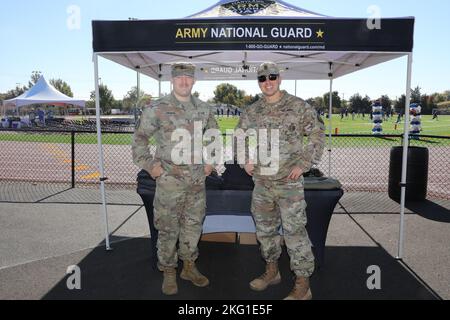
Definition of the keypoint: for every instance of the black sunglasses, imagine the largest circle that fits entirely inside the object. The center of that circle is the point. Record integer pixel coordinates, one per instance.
(272, 77)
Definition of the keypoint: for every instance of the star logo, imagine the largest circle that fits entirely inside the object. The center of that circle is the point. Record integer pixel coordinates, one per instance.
(320, 33)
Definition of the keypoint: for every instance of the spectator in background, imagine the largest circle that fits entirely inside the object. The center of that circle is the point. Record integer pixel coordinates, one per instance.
(32, 117)
(41, 116)
(435, 114)
(399, 117)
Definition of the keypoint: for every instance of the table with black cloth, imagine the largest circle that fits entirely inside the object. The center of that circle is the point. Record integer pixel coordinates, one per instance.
(228, 200)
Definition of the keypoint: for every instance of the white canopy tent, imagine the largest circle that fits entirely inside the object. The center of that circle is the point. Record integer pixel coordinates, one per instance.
(230, 39)
(42, 93)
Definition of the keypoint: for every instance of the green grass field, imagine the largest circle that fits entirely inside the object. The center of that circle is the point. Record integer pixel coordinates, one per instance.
(113, 139)
(440, 127)
(359, 126)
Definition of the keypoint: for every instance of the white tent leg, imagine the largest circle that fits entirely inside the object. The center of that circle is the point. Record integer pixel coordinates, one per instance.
(296, 88)
(159, 88)
(100, 153)
(330, 113)
(138, 86)
(405, 157)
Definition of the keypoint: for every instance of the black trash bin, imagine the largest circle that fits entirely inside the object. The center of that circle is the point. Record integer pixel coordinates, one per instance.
(416, 176)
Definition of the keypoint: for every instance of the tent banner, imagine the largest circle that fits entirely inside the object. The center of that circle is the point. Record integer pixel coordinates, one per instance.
(324, 34)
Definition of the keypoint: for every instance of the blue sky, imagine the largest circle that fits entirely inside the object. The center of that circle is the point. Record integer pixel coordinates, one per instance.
(34, 36)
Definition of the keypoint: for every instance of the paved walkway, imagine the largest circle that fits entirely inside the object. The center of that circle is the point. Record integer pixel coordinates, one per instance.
(39, 240)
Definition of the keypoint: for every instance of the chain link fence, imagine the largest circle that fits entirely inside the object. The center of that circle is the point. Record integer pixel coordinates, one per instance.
(361, 162)
(68, 158)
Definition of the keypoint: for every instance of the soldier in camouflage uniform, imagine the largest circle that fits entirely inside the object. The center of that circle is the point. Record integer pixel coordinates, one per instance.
(180, 199)
(278, 199)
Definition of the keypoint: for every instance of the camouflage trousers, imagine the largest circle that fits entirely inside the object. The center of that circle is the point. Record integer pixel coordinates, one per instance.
(282, 203)
(179, 211)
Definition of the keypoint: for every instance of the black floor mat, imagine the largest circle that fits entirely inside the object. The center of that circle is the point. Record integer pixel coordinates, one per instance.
(126, 273)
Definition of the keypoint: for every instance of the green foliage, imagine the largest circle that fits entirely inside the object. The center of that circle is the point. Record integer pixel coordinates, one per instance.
(117, 104)
(317, 103)
(35, 76)
(360, 104)
(427, 103)
(106, 99)
(336, 100)
(386, 102)
(130, 99)
(90, 104)
(400, 104)
(249, 99)
(439, 97)
(61, 86)
(17, 91)
(226, 93)
(416, 95)
(444, 104)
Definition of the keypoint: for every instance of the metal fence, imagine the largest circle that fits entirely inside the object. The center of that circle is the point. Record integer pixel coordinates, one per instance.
(68, 157)
(361, 162)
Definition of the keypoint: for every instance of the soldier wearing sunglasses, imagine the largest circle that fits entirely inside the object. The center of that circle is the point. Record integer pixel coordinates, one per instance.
(278, 199)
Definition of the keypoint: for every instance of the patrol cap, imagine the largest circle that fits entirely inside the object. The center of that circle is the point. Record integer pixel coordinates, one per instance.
(183, 69)
(267, 68)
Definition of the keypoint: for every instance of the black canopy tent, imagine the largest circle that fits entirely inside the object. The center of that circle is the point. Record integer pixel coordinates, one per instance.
(230, 39)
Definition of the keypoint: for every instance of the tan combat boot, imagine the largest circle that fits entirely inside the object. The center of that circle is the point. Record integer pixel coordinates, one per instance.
(270, 277)
(301, 290)
(169, 285)
(191, 273)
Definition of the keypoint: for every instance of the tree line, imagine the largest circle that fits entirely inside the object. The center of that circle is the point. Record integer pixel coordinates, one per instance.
(107, 100)
(360, 104)
(59, 85)
(229, 94)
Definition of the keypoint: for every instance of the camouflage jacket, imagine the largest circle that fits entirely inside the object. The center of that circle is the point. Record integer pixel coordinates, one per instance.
(159, 122)
(295, 119)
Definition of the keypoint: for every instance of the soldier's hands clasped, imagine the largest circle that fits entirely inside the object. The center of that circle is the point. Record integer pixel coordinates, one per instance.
(208, 169)
(249, 169)
(157, 171)
(295, 173)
